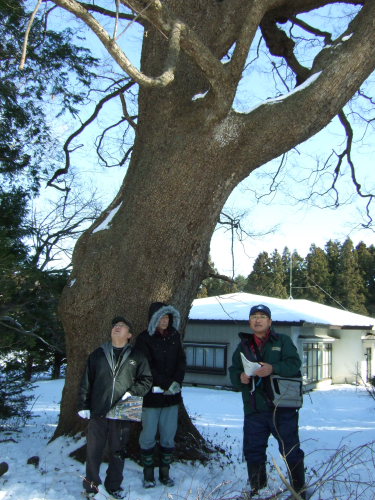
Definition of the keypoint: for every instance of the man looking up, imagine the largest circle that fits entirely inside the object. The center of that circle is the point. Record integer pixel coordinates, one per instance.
(277, 355)
(114, 371)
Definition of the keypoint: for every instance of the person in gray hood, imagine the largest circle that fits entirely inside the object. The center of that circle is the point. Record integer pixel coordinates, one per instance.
(162, 345)
(114, 372)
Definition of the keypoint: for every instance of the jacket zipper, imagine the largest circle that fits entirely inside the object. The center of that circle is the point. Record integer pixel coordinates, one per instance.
(113, 389)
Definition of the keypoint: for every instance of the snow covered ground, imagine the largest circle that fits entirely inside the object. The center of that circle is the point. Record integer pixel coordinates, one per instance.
(337, 430)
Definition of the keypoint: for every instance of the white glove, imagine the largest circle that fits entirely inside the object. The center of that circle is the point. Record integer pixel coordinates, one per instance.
(126, 396)
(173, 389)
(157, 390)
(84, 413)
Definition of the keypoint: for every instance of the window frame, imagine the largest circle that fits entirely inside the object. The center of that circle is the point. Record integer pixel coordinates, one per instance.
(317, 361)
(207, 369)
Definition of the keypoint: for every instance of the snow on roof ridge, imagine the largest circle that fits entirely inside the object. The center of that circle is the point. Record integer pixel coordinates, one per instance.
(235, 307)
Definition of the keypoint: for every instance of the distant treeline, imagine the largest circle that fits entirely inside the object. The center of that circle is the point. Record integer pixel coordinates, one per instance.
(338, 275)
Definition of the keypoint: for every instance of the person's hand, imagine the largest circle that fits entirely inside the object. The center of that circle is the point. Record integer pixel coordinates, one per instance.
(84, 413)
(173, 389)
(126, 396)
(265, 370)
(245, 379)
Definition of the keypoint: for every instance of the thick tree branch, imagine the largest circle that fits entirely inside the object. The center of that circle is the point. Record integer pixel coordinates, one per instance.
(337, 73)
(250, 26)
(157, 15)
(117, 53)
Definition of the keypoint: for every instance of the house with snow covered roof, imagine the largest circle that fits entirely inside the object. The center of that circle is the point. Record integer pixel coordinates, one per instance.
(335, 345)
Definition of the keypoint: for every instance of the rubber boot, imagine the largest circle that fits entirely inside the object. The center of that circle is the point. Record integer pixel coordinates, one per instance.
(297, 471)
(147, 457)
(257, 476)
(148, 477)
(166, 457)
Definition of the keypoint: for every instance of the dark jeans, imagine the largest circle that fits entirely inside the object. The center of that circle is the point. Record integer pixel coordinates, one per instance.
(282, 423)
(100, 431)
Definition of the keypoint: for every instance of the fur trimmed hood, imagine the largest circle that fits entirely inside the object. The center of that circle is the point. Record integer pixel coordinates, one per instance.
(156, 311)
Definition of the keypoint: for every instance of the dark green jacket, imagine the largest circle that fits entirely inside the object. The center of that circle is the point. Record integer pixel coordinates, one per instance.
(280, 352)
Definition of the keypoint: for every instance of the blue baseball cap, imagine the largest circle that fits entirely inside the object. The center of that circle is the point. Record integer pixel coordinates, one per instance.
(260, 308)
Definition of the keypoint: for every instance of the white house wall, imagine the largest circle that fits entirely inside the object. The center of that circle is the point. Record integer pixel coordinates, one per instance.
(215, 333)
(348, 358)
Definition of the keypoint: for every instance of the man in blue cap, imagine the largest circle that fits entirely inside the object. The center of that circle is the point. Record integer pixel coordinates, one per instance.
(276, 354)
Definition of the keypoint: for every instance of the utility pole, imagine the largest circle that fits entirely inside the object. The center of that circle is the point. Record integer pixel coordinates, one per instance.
(290, 276)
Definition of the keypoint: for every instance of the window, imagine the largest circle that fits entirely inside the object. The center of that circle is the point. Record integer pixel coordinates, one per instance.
(317, 361)
(207, 358)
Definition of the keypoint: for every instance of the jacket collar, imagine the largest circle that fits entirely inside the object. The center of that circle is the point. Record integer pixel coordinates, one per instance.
(273, 337)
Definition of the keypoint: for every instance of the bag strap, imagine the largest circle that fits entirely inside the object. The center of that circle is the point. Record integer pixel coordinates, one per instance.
(256, 349)
(251, 354)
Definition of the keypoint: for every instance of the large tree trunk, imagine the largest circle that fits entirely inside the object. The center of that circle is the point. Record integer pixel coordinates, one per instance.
(188, 157)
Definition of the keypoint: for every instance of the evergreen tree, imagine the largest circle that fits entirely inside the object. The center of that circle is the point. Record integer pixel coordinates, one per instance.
(268, 276)
(349, 280)
(240, 283)
(333, 250)
(56, 68)
(258, 281)
(278, 287)
(366, 263)
(295, 274)
(318, 276)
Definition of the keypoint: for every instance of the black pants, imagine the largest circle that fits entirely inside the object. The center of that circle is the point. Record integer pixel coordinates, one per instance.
(100, 431)
(282, 423)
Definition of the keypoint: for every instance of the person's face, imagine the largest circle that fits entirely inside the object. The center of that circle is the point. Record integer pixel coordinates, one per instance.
(163, 322)
(260, 323)
(120, 334)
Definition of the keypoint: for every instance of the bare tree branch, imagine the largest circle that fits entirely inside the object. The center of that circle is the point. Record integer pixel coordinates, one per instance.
(347, 153)
(26, 38)
(311, 29)
(11, 324)
(108, 13)
(280, 45)
(98, 108)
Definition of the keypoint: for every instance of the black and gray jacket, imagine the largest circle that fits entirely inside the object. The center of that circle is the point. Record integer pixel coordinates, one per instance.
(165, 354)
(105, 381)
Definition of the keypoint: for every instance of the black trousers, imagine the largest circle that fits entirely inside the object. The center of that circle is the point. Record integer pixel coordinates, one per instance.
(282, 423)
(116, 433)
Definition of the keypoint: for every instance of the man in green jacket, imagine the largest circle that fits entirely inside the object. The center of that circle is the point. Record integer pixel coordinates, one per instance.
(276, 355)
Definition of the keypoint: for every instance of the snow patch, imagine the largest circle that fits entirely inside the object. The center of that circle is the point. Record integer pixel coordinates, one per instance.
(226, 132)
(327, 422)
(303, 85)
(199, 96)
(107, 221)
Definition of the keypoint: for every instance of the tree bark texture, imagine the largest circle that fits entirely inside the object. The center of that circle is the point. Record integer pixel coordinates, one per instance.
(189, 154)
